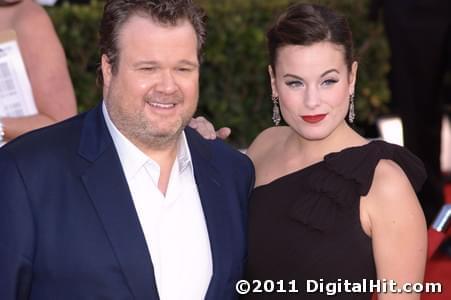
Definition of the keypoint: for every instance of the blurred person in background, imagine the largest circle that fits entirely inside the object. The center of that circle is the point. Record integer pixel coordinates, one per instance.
(45, 63)
(419, 34)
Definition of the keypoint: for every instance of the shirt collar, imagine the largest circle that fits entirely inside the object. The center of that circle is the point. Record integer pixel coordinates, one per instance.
(132, 158)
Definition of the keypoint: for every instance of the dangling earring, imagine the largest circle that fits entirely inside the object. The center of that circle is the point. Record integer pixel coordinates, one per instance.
(275, 111)
(351, 115)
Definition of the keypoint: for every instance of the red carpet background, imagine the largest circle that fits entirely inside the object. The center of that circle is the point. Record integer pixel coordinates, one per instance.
(438, 268)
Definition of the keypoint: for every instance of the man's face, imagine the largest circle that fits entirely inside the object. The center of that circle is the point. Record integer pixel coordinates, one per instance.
(155, 90)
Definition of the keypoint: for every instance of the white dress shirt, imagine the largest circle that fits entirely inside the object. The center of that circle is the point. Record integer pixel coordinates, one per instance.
(174, 225)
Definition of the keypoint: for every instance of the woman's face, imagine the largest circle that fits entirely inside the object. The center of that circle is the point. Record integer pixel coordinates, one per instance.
(313, 85)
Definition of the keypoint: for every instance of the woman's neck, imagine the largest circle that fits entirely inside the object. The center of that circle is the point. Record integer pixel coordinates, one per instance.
(313, 151)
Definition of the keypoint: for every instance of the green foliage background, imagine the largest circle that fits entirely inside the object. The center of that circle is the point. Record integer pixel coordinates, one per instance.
(234, 84)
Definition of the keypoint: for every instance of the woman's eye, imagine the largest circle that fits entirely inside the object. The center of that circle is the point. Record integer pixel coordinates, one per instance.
(294, 84)
(329, 82)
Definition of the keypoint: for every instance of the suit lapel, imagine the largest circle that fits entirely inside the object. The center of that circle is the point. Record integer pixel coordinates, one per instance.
(211, 192)
(107, 187)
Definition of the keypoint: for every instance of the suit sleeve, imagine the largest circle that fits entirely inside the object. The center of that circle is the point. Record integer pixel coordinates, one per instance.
(247, 185)
(16, 232)
(251, 178)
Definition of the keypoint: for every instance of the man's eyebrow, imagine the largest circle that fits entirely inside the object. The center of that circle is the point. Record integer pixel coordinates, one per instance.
(145, 62)
(155, 63)
(188, 62)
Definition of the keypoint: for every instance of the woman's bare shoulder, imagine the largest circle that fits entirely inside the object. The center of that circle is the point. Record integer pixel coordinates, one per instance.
(390, 180)
(267, 140)
(391, 197)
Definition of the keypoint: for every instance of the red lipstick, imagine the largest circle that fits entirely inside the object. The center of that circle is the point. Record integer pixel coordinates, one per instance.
(313, 118)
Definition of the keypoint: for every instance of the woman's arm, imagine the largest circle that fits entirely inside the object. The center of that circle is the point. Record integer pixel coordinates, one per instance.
(46, 66)
(397, 227)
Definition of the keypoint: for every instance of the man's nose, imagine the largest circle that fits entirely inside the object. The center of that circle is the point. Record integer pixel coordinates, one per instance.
(166, 83)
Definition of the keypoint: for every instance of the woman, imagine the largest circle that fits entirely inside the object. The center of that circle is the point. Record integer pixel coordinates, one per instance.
(328, 205)
(45, 63)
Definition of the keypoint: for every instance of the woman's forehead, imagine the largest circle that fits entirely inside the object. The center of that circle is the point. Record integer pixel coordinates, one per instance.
(311, 58)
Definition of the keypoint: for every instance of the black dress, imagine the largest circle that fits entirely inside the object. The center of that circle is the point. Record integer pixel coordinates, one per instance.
(306, 226)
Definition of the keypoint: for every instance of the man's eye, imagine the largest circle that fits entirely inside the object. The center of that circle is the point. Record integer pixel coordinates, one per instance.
(184, 69)
(148, 69)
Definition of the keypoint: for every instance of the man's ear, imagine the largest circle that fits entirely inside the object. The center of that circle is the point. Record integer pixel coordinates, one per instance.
(106, 71)
(272, 76)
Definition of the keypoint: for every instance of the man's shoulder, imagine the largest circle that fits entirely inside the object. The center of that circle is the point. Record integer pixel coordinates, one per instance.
(59, 136)
(216, 149)
(233, 165)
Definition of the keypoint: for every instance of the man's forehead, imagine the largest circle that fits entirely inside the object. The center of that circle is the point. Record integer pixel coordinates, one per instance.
(143, 39)
(138, 28)
(144, 19)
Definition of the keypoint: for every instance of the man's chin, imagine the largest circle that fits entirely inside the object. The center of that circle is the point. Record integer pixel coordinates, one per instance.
(168, 132)
(159, 138)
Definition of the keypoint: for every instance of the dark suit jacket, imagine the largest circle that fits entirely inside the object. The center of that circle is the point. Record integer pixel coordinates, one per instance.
(68, 226)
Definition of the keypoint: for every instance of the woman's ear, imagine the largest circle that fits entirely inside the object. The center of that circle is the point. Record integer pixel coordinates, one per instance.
(272, 77)
(353, 77)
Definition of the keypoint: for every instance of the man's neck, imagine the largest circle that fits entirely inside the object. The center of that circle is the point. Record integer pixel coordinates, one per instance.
(165, 158)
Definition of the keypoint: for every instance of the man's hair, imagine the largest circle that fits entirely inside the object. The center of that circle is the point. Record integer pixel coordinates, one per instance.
(305, 24)
(167, 12)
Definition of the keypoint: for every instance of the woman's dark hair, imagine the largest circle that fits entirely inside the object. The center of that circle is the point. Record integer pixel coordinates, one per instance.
(306, 24)
(167, 12)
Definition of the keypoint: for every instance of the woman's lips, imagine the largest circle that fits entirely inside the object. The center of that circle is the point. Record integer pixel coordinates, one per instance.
(313, 118)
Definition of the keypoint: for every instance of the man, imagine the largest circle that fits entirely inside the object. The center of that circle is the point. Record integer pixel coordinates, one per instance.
(123, 202)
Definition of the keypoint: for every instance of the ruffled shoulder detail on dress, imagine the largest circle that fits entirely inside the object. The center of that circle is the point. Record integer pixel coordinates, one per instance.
(359, 163)
(340, 180)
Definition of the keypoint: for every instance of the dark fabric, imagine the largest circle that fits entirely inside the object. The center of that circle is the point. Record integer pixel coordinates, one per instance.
(68, 226)
(306, 225)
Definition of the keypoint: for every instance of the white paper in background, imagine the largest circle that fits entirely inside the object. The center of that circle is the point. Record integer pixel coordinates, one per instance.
(446, 145)
(46, 2)
(390, 129)
(16, 96)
